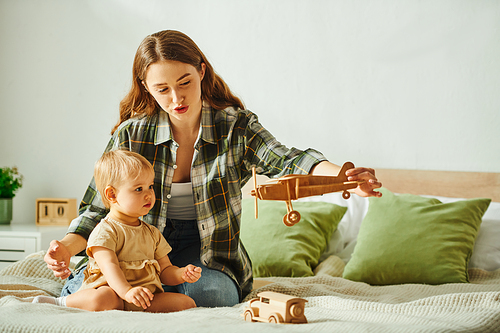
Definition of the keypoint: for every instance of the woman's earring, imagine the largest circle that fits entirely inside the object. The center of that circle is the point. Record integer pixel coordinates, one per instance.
(145, 88)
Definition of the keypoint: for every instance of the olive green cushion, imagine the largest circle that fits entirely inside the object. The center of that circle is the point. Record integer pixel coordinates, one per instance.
(412, 239)
(278, 250)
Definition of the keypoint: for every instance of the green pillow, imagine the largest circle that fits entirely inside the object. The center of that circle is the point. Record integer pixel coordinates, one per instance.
(278, 250)
(412, 239)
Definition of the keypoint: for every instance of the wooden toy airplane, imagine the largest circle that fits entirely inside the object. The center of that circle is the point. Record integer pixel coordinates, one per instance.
(293, 187)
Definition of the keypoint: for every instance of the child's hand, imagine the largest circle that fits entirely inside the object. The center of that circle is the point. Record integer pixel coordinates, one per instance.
(139, 296)
(191, 273)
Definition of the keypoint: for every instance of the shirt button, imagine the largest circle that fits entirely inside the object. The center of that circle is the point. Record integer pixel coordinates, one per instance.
(175, 166)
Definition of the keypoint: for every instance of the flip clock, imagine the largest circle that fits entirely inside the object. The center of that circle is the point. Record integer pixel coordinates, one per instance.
(55, 211)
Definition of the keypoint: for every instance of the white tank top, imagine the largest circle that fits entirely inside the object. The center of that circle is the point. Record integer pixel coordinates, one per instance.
(181, 203)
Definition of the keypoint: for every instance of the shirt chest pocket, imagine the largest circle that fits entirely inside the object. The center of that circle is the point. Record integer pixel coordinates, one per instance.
(218, 195)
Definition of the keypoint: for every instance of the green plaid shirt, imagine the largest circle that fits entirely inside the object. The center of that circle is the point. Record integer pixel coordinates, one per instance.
(231, 142)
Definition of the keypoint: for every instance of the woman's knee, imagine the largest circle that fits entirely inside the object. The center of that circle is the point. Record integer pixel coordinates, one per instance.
(215, 289)
(73, 283)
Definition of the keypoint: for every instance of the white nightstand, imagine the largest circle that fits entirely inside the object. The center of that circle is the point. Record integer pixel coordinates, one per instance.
(19, 240)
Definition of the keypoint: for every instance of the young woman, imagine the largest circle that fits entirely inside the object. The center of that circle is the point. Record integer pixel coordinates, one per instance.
(202, 143)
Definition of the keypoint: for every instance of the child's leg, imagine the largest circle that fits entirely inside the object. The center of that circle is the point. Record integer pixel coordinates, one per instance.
(170, 302)
(100, 299)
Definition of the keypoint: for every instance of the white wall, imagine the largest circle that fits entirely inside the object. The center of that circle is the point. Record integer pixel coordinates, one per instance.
(387, 83)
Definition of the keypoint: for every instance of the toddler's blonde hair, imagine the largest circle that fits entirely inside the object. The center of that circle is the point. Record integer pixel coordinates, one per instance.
(116, 166)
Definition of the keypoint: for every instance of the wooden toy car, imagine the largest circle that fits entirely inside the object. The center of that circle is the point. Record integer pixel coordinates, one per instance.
(293, 187)
(276, 308)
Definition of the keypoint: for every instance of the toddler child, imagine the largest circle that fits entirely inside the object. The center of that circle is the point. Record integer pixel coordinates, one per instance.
(128, 259)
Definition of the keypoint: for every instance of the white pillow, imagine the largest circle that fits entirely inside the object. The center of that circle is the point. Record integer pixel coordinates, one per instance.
(344, 238)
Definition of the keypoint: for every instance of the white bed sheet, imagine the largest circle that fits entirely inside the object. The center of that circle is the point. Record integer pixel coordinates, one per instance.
(334, 305)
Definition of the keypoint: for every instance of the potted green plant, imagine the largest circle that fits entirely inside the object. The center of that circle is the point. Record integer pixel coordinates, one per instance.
(10, 181)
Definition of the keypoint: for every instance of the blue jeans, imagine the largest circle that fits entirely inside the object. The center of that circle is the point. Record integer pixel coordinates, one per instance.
(213, 289)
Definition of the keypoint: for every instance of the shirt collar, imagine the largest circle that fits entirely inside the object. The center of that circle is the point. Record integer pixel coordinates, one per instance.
(207, 123)
(164, 132)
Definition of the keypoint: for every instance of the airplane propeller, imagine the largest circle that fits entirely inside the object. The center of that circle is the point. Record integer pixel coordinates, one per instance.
(254, 175)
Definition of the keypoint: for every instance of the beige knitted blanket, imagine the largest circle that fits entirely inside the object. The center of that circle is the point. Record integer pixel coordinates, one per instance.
(334, 305)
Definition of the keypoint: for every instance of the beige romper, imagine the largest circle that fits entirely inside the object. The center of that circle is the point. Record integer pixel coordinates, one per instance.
(137, 247)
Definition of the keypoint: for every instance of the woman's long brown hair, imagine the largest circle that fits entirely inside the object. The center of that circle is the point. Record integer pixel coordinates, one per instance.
(172, 45)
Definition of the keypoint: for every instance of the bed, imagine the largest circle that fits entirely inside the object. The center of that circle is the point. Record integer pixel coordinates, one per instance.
(426, 259)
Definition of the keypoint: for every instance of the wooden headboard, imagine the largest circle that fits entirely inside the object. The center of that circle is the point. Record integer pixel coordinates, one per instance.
(440, 183)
